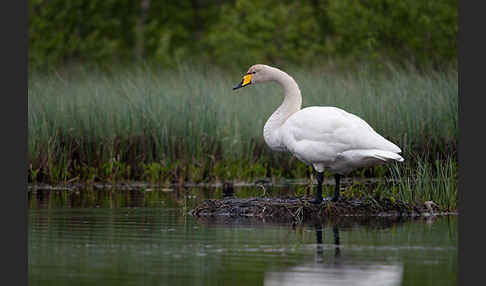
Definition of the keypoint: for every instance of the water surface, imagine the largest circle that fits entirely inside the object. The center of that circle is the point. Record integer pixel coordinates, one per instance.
(146, 238)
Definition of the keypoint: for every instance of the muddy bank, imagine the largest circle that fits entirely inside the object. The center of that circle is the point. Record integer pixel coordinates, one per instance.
(301, 210)
(144, 185)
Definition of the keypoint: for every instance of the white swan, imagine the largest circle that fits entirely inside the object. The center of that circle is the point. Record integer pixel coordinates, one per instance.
(321, 136)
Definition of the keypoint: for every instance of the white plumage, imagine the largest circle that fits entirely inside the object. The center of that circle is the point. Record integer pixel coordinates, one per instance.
(321, 136)
(333, 138)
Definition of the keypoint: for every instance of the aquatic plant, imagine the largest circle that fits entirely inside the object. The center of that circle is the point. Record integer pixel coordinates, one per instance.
(427, 181)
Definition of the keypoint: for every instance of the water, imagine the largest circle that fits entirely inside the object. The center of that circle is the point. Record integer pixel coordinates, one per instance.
(145, 238)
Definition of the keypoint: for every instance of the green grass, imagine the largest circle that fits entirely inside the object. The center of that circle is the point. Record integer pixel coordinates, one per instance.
(427, 181)
(188, 125)
(416, 181)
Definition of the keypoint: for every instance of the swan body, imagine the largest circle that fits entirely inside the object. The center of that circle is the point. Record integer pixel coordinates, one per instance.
(329, 137)
(322, 136)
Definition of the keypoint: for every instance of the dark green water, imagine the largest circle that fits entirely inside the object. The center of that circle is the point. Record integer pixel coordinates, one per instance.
(137, 238)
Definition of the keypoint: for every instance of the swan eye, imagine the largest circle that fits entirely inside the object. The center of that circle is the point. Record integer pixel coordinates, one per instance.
(253, 72)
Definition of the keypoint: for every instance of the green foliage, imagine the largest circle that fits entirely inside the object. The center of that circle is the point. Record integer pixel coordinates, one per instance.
(84, 31)
(241, 32)
(174, 31)
(426, 181)
(154, 172)
(417, 181)
(423, 32)
(266, 31)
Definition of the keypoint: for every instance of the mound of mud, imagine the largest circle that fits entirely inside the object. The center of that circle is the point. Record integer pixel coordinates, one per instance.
(300, 209)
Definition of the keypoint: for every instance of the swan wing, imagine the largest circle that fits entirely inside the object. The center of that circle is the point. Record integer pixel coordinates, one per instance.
(327, 131)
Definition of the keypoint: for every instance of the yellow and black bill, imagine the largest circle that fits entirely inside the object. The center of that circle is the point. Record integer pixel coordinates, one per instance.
(244, 82)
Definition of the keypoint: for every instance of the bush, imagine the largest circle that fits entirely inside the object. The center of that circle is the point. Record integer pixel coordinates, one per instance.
(241, 32)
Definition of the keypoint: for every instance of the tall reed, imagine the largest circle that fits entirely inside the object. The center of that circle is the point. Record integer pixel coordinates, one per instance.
(105, 125)
(427, 181)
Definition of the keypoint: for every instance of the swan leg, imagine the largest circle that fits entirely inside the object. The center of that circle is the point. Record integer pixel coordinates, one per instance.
(319, 250)
(337, 177)
(337, 251)
(318, 198)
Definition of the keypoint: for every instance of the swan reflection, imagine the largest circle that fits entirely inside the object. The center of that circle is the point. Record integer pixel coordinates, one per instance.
(336, 270)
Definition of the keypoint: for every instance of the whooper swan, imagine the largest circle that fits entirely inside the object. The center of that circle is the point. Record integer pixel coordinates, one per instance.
(321, 136)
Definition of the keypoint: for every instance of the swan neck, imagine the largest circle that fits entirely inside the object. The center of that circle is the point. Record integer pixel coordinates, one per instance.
(292, 103)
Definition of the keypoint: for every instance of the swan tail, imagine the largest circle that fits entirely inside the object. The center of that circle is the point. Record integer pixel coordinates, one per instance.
(353, 159)
(372, 155)
(387, 156)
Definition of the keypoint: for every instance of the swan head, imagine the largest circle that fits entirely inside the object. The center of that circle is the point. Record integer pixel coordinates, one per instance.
(255, 74)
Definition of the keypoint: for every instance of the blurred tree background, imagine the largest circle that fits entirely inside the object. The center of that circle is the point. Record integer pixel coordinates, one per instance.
(230, 33)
